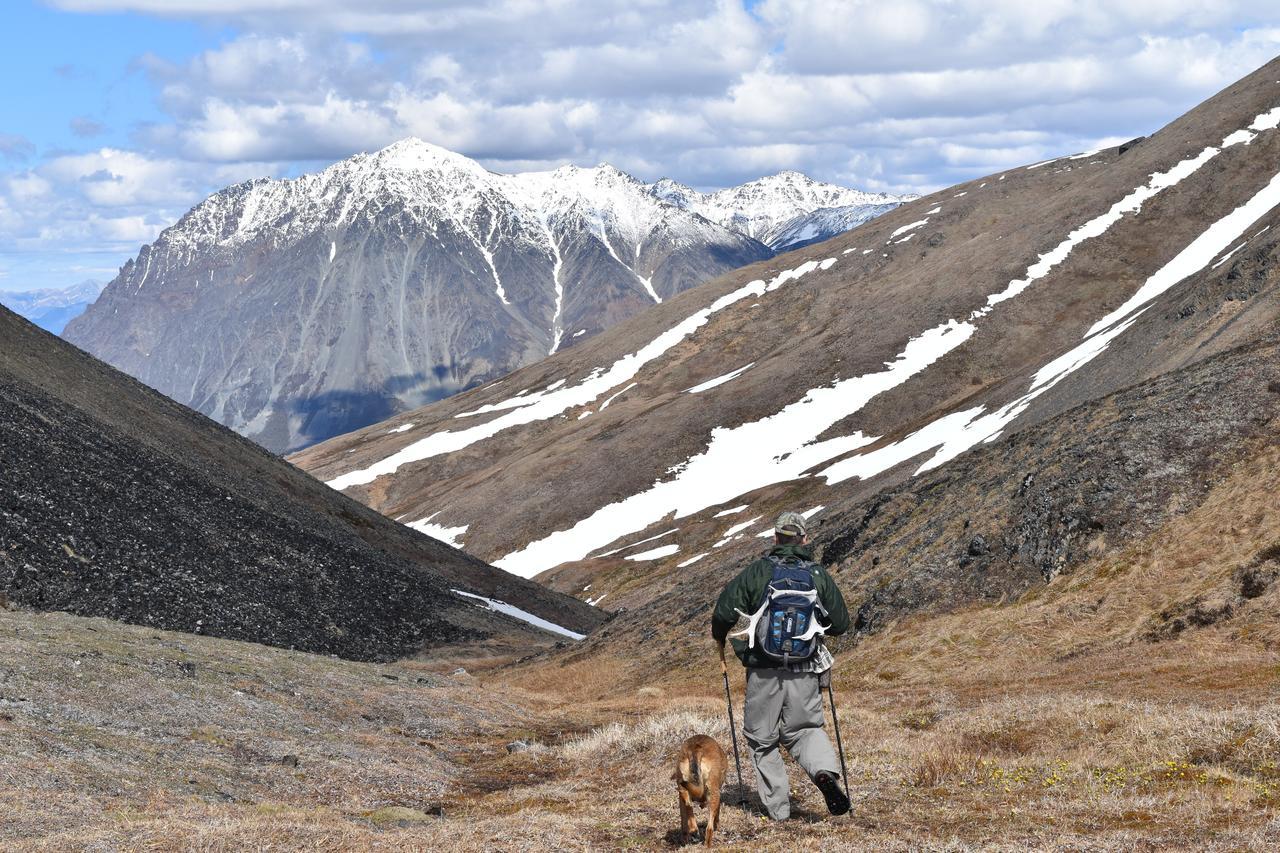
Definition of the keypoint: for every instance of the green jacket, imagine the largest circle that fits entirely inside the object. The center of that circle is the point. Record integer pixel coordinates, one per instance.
(746, 591)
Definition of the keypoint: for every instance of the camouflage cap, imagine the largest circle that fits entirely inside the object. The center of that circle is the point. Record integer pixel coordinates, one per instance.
(791, 524)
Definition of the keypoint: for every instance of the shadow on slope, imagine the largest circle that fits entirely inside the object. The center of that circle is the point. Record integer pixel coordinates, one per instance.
(116, 501)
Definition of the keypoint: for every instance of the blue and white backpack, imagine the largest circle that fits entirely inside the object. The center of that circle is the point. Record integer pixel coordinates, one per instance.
(786, 624)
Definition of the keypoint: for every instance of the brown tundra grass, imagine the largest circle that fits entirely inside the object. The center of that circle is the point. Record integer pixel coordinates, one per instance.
(1074, 719)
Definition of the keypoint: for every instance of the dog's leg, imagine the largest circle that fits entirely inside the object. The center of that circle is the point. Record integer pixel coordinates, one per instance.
(688, 823)
(713, 812)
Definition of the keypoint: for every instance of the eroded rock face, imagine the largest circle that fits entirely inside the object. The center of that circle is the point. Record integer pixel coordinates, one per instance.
(293, 311)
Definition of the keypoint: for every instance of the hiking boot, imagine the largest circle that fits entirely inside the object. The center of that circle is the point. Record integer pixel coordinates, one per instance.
(829, 785)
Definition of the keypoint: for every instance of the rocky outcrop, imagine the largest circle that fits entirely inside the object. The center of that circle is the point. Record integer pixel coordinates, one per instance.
(1007, 519)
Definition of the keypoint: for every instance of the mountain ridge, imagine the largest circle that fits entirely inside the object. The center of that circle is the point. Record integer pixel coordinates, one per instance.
(51, 308)
(294, 310)
(879, 355)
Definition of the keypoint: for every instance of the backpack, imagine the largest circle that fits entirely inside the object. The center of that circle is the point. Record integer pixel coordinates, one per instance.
(786, 624)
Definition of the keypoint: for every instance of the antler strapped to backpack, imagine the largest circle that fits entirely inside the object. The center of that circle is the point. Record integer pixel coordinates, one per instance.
(786, 622)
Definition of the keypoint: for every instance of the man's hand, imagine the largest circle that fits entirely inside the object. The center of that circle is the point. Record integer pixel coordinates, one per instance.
(824, 678)
(724, 668)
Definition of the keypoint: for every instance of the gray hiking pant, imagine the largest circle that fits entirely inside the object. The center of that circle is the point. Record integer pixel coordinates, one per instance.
(785, 708)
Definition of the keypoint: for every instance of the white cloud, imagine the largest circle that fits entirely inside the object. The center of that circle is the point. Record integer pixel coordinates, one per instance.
(106, 200)
(910, 95)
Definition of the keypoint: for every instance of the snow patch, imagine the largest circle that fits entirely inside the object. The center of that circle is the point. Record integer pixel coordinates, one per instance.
(656, 554)
(522, 615)
(448, 535)
(634, 544)
(732, 511)
(738, 528)
(1228, 255)
(692, 560)
(719, 380)
(606, 403)
(905, 228)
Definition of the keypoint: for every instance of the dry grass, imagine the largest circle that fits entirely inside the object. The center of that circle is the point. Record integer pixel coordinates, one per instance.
(652, 734)
(945, 766)
(1076, 719)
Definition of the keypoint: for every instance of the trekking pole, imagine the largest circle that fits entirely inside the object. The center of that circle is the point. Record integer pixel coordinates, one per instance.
(733, 731)
(835, 718)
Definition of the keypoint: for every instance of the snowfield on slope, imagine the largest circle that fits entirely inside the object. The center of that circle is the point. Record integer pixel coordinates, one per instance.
(784, 446)
(523, 615)
(549, 403)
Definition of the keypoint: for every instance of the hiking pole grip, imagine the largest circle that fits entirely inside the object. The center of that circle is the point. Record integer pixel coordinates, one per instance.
(835, 719)
(733, 731)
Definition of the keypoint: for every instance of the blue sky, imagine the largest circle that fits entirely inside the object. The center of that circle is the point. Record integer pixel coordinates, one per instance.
(118, 115)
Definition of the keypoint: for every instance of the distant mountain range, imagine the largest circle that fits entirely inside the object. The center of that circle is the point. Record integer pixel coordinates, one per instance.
(784, 211)
(52, 308)
(295, 310)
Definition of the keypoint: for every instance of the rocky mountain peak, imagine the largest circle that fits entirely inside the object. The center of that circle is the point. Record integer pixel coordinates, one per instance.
(293, 310)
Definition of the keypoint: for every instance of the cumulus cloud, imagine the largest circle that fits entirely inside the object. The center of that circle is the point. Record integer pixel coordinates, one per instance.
(908, 96)
(911, 95)
(14, 146)
(107, 200)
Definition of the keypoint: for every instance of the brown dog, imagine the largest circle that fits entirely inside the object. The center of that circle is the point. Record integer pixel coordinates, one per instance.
(699, 774)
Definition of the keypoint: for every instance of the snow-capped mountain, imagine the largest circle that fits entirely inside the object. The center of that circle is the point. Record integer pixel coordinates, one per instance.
(294, 310)
(783, 211)
(52, 308)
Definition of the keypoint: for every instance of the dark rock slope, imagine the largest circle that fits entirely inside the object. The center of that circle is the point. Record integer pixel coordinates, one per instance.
(117, 502)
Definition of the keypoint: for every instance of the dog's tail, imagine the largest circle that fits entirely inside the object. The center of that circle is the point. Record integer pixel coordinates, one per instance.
(688, 771)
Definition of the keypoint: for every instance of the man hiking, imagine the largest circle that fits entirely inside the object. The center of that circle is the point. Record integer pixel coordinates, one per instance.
(783, 594)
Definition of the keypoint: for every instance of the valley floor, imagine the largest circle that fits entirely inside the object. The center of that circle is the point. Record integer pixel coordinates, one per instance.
(1128, 705)
(120, 737)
